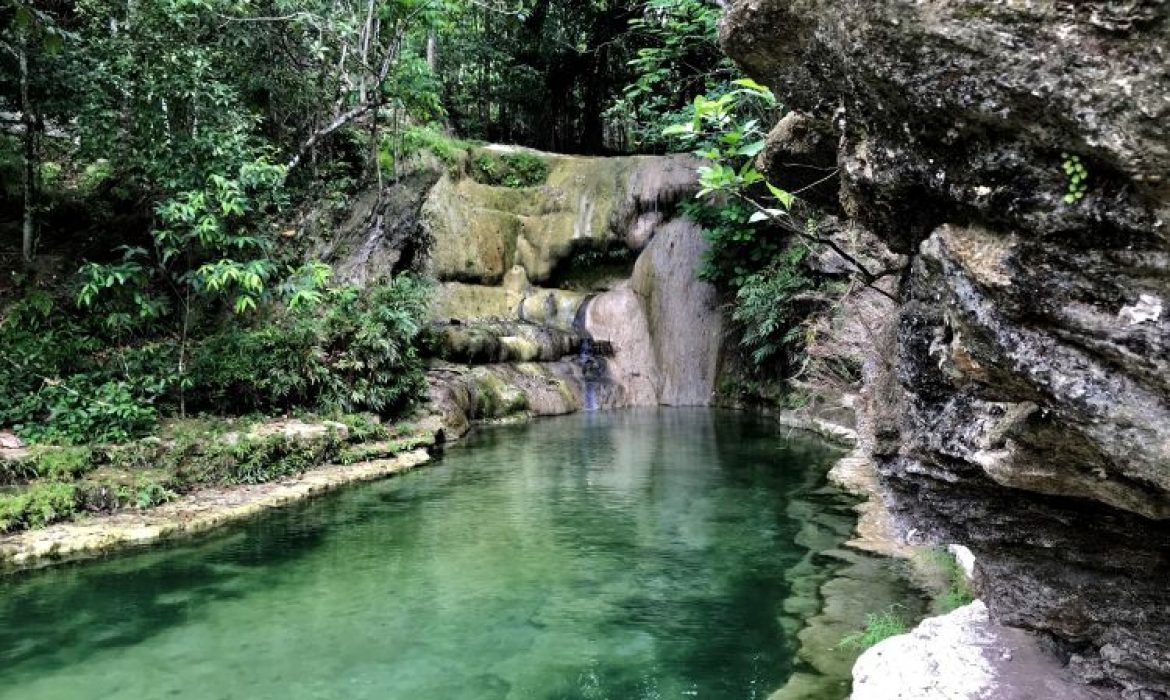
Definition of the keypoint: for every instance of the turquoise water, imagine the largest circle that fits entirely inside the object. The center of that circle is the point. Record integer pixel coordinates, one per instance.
(620, 555)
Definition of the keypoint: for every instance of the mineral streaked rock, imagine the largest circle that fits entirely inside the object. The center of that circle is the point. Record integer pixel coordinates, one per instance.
(480, 232)
(620, 317)
(683, 314)
(495, 246)
(506, 391)
(490, 342)
(965, 656)
(1021, 407)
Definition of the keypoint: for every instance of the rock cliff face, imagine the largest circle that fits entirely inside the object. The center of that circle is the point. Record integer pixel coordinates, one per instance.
(535, 280)
(1026, 412)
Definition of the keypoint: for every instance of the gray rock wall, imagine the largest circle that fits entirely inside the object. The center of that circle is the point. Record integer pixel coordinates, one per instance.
(1026, 412)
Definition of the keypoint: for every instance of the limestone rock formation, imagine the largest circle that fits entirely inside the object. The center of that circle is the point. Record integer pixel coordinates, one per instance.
(1025, 411)
(508, 292)
(481, 231)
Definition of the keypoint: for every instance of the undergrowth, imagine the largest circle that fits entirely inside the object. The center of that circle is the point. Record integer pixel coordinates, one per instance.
(879, 627)
(955, 590)
(53, 484)
(514, 170)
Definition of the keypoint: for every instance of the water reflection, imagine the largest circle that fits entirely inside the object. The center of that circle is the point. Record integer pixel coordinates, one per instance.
(639, 554)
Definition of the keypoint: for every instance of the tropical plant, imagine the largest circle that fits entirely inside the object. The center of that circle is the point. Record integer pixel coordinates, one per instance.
(356, 351)
(727, 134)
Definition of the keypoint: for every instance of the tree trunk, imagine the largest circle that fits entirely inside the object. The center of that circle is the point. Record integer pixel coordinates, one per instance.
(433, 51)
(28, 225)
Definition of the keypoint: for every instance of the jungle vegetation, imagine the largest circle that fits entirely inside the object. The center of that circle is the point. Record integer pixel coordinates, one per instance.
(156, 156)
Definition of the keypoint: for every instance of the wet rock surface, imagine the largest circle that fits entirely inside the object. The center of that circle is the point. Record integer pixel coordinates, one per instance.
(580, 294)
(1021, 405)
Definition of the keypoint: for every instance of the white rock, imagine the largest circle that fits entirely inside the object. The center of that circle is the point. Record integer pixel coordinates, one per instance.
(965, 558)
(964, 656)
(1148, 309)
(9, 441)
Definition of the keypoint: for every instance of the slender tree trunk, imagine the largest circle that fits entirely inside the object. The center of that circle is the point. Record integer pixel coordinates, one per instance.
(433, 51)
(28, 115)
(183, 354)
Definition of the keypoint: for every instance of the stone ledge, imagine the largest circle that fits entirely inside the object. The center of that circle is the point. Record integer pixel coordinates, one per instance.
(200, 511)
(964, 655)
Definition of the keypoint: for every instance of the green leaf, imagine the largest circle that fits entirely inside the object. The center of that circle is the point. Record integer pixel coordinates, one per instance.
(53, 43)
(752, 150)
(785, 198)
(24, 17)
(751, 85)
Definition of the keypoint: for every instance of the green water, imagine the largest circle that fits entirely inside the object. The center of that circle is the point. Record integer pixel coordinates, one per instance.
(619, 555)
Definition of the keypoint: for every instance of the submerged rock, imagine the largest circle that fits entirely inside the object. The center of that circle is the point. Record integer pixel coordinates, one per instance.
(1019, 401)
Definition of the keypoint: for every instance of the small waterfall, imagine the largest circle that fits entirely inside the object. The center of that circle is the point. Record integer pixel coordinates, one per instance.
(592, 368)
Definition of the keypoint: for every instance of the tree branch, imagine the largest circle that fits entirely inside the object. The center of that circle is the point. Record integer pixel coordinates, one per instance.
(867, 278)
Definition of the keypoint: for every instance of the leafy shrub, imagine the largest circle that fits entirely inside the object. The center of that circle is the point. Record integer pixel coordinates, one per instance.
(513, 170)
(355, 352)
(738, 247)
(765, 309)
(37, 506)
(62, 463)
(60, 391)
(82, 408)
(149, 494)
(878, 627)
(247, 461)
(363, 427)
(17, 470)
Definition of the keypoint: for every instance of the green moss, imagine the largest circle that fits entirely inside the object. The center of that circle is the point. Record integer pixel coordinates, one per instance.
(384, 450)
(496, 399)
(195, 452)
(953, 590)
(449, 150)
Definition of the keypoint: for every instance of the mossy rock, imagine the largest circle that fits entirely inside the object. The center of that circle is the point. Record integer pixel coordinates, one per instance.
(480, 230)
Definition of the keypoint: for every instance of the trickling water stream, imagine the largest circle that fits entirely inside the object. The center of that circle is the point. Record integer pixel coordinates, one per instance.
(626, 555)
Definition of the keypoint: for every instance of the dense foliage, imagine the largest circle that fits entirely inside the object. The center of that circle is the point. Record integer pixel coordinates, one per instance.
(166, 149)
(72, 382)
(164, 145)
(553, 73)
(509, 169)
(356, 351)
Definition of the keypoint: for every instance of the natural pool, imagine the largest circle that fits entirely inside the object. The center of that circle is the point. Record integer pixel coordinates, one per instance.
(624, 555)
